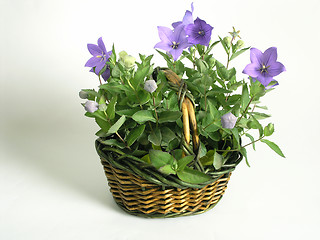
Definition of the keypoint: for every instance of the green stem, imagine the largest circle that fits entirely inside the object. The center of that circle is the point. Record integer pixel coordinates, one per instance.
(245, 111)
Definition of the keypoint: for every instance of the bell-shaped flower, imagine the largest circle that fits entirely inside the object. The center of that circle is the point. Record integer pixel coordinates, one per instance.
(99, 58)
(228, 120)
(150, 86)
(199, 32)
(172, 41)
(91, 106)
(264, 66)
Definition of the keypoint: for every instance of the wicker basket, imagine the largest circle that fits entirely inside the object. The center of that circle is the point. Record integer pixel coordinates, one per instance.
(140, 189)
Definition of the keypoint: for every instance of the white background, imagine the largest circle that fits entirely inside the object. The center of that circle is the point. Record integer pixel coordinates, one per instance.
(52, 185)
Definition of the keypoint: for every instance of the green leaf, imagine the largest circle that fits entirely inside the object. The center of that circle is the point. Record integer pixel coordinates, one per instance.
(139, 76)
(213, 110)
(222, 71)
(155, 137)
(103, 124)
(268, 130)
(252, 140)
(114, 142)
(111, 107)
(218, 160)
(245, 99)
(273, 146)
(192, 176)
(115, 127)
(243, 151)
(169, 116)
(167, 170)
(183, 162)
(226, 48)
(135, 134)
(127, 112)
(236, 54)
(207, 160)
(159, 159)
(143, 116)
(201, 66)
(167, 135)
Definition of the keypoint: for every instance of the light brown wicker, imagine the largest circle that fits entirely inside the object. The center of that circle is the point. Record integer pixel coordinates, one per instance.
(143, 198)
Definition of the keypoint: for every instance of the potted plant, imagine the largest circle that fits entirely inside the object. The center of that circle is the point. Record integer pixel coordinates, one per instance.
(171, 136)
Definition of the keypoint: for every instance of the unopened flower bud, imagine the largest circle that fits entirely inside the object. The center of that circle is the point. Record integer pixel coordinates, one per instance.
(239, 44)
(129, 61)
(228, 120)
(227, 41)
(83, 94)
(150, 86)
(91, 106)
(122, 54)
(103, 107)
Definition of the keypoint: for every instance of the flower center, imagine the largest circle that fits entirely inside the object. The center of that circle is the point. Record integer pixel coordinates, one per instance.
(175, 45)
(264, 69)
(201, 33)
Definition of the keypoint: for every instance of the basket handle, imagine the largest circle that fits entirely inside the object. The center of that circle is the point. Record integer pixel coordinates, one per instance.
(187, 108)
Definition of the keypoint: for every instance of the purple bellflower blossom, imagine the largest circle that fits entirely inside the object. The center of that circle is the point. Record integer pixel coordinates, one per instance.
(173, 41)
(187, 19)
(264, 66)
(228, 120)
(199, 32)
(99, 59)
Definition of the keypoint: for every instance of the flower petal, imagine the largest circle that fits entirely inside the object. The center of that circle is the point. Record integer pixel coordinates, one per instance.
(179, 34)
(176, 53)
(101, 45)
(187, 19)
(252, 69)
(269, 56)
(276, 68)
(165, 34)
(92, 62)
(94, 49)
(176, 24)
(99, 67)
(264, 80)
(256, 56)
(163, 45)
(106, 74)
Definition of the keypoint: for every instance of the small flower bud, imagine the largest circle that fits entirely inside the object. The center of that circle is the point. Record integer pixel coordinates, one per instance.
(103, 107)
(122, 54)
(129, 61)
(239, 44)
(227, 41)
(150, 86)
(228, 120)
(83, 94)
(91, 106)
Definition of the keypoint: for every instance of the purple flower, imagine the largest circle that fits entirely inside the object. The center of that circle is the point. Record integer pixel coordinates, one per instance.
(264, 66)
(187, 19)
(173, 41)
(228, 120)
(99, 59)
(199, 32)
(91, 106)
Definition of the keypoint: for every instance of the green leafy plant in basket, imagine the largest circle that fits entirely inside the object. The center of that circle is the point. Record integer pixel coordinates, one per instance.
(182, 125)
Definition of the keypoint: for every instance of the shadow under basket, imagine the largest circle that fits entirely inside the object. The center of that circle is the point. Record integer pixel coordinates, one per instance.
(140, 197)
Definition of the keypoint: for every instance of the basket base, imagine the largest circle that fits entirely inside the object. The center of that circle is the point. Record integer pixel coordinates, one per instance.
(140, 197)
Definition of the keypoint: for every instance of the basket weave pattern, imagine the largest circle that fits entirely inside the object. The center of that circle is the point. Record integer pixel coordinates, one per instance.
(141, 197)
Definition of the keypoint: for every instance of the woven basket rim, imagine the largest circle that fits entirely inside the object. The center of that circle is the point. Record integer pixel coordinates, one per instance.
(151, 174)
